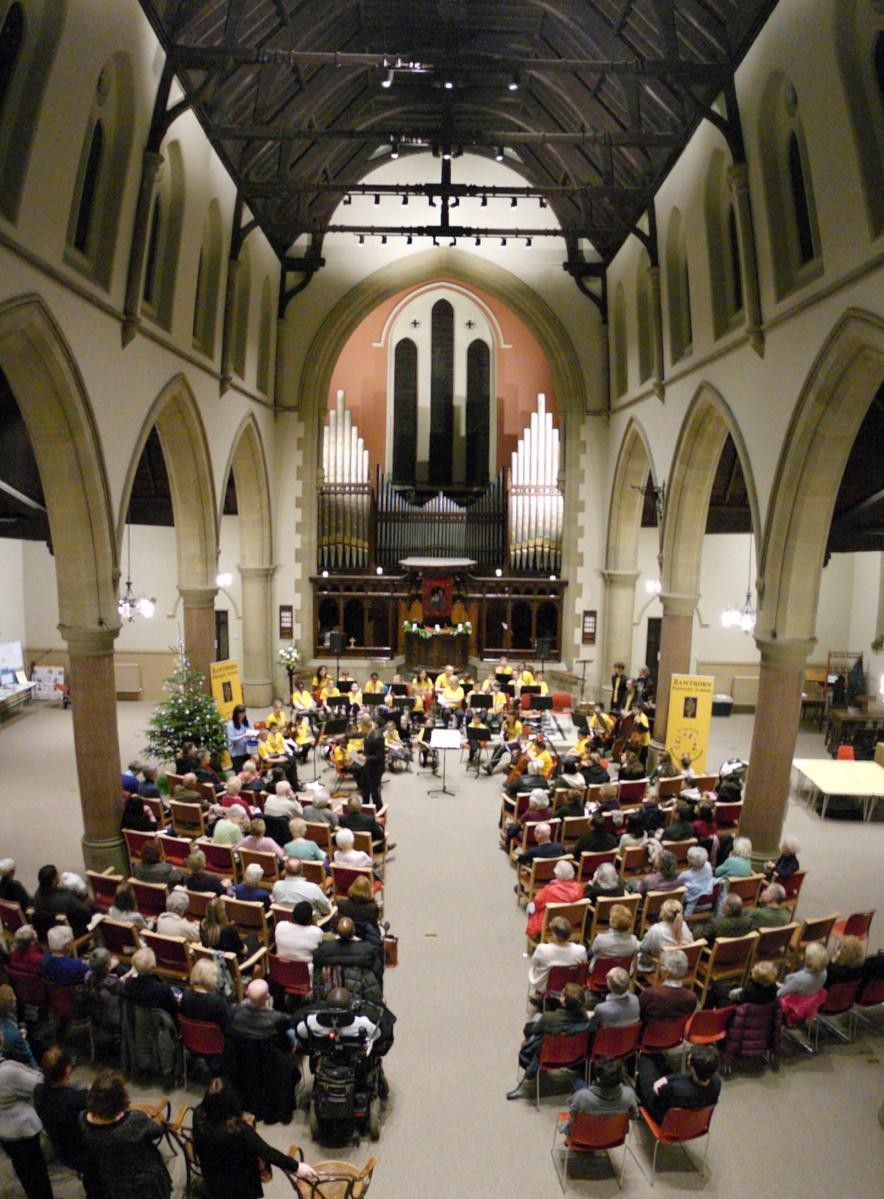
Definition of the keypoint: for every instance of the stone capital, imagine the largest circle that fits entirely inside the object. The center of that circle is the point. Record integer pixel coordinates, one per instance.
(85, 642)
(257, 572)
(198, 597)
(738, 176)
(675, 604)
(620, 578)
(784, 655)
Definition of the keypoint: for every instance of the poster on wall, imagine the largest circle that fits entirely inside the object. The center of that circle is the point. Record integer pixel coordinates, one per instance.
(226, 685)
(48, 680)
(690, 715)
(11, 658)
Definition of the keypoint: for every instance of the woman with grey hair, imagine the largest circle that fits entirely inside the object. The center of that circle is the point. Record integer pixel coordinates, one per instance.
(11, 889)
(737, 865)
(103, 983)
(26, 956)
(606, 883)
(697, 879)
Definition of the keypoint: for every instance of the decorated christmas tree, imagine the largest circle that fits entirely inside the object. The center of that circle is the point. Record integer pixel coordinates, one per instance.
(187, 715)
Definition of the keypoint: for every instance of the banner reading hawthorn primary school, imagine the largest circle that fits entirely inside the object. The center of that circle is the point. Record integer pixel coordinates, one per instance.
(690, 713)
(226, 685)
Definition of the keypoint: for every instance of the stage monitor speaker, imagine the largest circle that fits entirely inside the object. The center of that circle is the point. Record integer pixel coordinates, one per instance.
(336, 643)
(544, 648)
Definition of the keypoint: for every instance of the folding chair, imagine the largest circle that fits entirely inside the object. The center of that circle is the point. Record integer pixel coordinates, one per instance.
(729, 958)
(680, 1124)
(202, 1039)
(653, 902)
(560, 1051)
(590, 1134)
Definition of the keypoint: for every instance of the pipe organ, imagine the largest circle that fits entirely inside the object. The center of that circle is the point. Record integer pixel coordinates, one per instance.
(536, 501)
(344, 494)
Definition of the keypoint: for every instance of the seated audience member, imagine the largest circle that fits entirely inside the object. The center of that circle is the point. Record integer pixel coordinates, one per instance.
(252, 888)
(186, 792)
(136, 816)
(230, 829)
(653, 816)
(359, 820)
(770, 911)
(569, 1018)
(618, 941)
(670, 932)
(21, 1128)
(312, 1025)
(299, 846)
(563, 889)
(346, 855)
(299, 938)
(606, 883)
(631, 768)
(620, 1006)
(148, 788)
(593, 770)
(697, 1087)
(786, 864)
(51, 899)
(319, 810)
(530, 781)
(538, 809)
(697, 879)
(202, 1000)
(559, 951)
(188, 758)
(144, 987)
(597, 840)
(173, 922)
(125, 907)
(360, 964)
(607, 1095)
(104, 987)
(733, 921)
(258, 840)
(249, 776)
(206, 772)
(233, 1157)
(737, 864)
(665, 768)
(811, 977)
(60, 1106)
(704, 823)
(761, 987)
(293, 887)
(198, 879)
(361, 908)
(13, 1042)
(154, 869)
(682, 828)
(217, 930)
(283, 802)
(847, 962)
(130, 778)
(59, 964)
(11, 890)
(26, 955)
(544, 848)
(571, 805)
(670, 999)
(635, 834)
(665, 878)
(122, 1141)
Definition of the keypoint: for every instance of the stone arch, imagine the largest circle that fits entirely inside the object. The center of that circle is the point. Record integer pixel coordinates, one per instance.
(634, 464)
(249, 465)
(705, 429)
(56, 410)
(182, 436)
(833, 402)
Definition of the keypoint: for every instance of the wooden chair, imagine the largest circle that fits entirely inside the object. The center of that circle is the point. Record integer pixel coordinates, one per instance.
(176, 849)
(653, 902)
(172, 954)
(728, 816)
(692, 952)
(706, 905)
(773, 943)
(220, 860)
(207, 791)
(529, 879)
(527, 839)
(151, 898)
(792, 886)
(818, 929)
(343, 878)
(590, 862)
(705, 782)
(594, 792)
(572, 828)
(12, 918)
(187, 819)
(134, 842)
(315, 872)
(335, 1179)
(240, 972)
(103, 887)
(632, 792)
(601, 912)
(729, 958)
(157, 809)
(321, 833)
(363, 842)
(575, 913)
(120, 940)
(856, 925)
(249, 917)
(198, 903)
(268, 862)
(633, 861)
(747, 888)
(174, 780)
(679, 849)
(670, 788)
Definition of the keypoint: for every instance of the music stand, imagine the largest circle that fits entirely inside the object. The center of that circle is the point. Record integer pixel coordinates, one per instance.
(477, 738)
(479, 700)
(443, 740)
(399, 688)
(530, 689)
(542, 703)
(373, 699)
(331, 728)
(581, 723)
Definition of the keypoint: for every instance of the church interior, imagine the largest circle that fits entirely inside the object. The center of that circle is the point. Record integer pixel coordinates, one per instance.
(544, 335)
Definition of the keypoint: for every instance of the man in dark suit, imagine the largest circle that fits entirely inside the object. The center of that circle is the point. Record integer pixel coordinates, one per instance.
(359, 821)
(699, 1086)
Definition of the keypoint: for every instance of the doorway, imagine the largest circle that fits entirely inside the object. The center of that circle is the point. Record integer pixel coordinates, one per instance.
(652, 646)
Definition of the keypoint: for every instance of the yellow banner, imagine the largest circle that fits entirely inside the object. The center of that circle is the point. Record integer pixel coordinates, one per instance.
(690, 714)
(226, 685)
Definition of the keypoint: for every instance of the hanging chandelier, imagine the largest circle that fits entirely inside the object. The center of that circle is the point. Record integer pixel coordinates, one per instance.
(130, 605)
(742, 618)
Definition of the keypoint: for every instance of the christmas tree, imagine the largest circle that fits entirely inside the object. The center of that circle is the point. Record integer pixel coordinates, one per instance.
(187, 715)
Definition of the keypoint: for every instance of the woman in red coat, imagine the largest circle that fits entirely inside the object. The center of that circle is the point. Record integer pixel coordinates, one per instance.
(563, 889)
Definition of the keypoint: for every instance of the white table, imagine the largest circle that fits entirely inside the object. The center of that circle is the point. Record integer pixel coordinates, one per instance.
(856, 780)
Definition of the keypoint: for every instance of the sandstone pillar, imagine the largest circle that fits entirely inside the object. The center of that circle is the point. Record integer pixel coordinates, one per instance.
(675, 651)
(199, 627)
(257, 638)
(619, 610)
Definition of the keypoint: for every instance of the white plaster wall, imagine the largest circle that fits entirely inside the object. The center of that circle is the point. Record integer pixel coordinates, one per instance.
(867, 575)
(12, 600)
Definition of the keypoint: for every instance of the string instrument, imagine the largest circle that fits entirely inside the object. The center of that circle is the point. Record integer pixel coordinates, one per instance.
(624, 732)
(518, 768)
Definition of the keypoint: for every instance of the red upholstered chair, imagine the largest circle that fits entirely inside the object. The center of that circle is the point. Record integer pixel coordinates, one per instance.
(103, 887)
(590, 1134)
(200, 1038)
(30, 989)
(119, 939)
(839, 1001)
(561, 701)
(293, 977)
(680, 1124)
(151, 898)
(856, 925)
(559, 1051)
(621, 1042)
(172, 954)
(268, 862)
(632, 791)
(871, 996)
(559, 977)
(590, 862)
(12, 917)
(134, 842)
(708, 1026)
(659, 1035)
(175, 849)
(600, 967)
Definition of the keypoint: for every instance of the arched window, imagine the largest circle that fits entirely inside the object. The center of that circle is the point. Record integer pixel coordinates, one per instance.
(442, 393)
(860, 45)
(478, 408)
(265, 339)
(520, 616)
(725, 278)
(29, 37)
(644, 302)
(678, 286)
(164, 238)
(241, 305)
(208, 282)
(405, 411)
(794, 236)
(98, 191)
(618, 346)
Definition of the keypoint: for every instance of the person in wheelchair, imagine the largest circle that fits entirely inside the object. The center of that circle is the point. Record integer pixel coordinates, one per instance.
(336, 1020)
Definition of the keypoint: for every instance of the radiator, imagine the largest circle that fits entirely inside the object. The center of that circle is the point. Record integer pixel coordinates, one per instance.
(127, 678)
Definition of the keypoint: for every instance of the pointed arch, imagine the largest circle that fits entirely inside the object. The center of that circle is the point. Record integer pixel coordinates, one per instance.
(634, 464)
(705, 429)
(186, 450)
(52, 399)
(833, 402)
(249, 465)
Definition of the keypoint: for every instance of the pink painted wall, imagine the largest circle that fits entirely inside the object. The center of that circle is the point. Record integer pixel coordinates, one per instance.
(522, 371)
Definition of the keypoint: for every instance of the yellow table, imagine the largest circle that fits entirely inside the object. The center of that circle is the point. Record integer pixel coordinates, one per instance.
(857, 780)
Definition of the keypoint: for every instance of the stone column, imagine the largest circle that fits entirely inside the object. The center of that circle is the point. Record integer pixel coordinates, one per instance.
(97, 747)
(257, 639)
(619, 610)
(777, 716)
(199, 627)
(675, 651)
(738, 178)
(657, 329)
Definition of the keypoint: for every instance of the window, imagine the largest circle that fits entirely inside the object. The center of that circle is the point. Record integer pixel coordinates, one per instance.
(793, 232)
(860, 45)
(265, 339)
(723, 245)
(241, 303)
(477, 412)
(208, 282)
(644, 304)
(442, 393)
(164, 238)
(11, 37)
(678, 286)
(98, 192)
(618, 346)
(405, 411)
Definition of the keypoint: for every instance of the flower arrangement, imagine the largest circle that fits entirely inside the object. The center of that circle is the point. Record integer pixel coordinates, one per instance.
(289, 656)
(414, 626)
